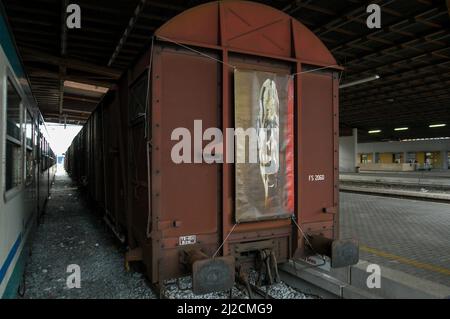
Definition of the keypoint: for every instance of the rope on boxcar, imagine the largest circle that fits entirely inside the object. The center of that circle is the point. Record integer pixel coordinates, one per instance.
(196, 51)
(301, 231)
(226, 238)
(149, 71)
(341, 74)
(232, 66)
(314, 70)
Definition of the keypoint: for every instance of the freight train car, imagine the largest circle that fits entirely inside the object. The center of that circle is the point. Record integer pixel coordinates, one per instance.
(167, 154)
(27, 164)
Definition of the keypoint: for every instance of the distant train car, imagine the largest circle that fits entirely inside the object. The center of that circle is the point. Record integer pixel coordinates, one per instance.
(224, 65)
(27, 164)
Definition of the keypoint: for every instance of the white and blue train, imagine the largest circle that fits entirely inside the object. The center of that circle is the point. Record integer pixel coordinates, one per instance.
(27, 165)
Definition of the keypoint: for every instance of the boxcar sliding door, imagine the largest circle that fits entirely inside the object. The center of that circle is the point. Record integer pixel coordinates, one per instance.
(185, 201)
(318, 134)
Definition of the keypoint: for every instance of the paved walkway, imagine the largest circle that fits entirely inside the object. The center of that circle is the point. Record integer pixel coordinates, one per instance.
(406, 235)
(72, 234)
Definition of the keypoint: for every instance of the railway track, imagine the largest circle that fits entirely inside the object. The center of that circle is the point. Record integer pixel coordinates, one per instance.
(397, 193)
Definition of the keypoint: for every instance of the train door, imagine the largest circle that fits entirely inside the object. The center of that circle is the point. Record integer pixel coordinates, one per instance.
(137, 155)
(30, 180)
(317, 123)
(38, 166)
(36, 163)
(114, 159)
(185, 203)
(48, 169)
(42, 182)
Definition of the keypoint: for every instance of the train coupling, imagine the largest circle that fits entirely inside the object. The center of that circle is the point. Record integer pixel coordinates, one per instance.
(210, 274)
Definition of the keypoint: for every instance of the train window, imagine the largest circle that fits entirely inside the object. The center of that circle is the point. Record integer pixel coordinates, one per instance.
(42, 154)
(138, 97)
(45, 155)
(29, 147)
(13, 163)
(36, 143)
(29, 129)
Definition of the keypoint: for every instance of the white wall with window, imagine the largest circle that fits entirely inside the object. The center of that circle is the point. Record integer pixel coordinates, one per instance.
(411, 149)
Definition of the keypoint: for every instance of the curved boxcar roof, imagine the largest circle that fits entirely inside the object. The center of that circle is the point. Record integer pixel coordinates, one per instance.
(248, 27)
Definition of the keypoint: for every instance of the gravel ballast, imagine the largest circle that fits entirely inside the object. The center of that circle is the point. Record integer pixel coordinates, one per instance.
(183, 290)
(70, 233)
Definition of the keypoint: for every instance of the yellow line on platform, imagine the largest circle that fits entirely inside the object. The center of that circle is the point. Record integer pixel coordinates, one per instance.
(406, 261)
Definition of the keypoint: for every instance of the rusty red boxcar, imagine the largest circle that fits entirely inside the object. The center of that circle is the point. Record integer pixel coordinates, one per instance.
(224, 64)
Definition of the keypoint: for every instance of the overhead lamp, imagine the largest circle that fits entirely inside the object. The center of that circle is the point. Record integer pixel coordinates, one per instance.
(437, 125)
(370, 78)
(374, 131)
(85, 87)
(400, 129)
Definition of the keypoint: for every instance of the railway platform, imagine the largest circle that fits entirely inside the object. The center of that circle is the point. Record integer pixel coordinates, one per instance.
(410, 236)
(400, 239)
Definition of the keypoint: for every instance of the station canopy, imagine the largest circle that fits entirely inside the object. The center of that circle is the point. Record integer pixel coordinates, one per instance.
(71, 69)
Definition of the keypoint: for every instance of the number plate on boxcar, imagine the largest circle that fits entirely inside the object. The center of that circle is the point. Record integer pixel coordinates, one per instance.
(187, 240)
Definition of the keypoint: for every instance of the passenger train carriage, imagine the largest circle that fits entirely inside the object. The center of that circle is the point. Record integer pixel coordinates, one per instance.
(27, 164)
